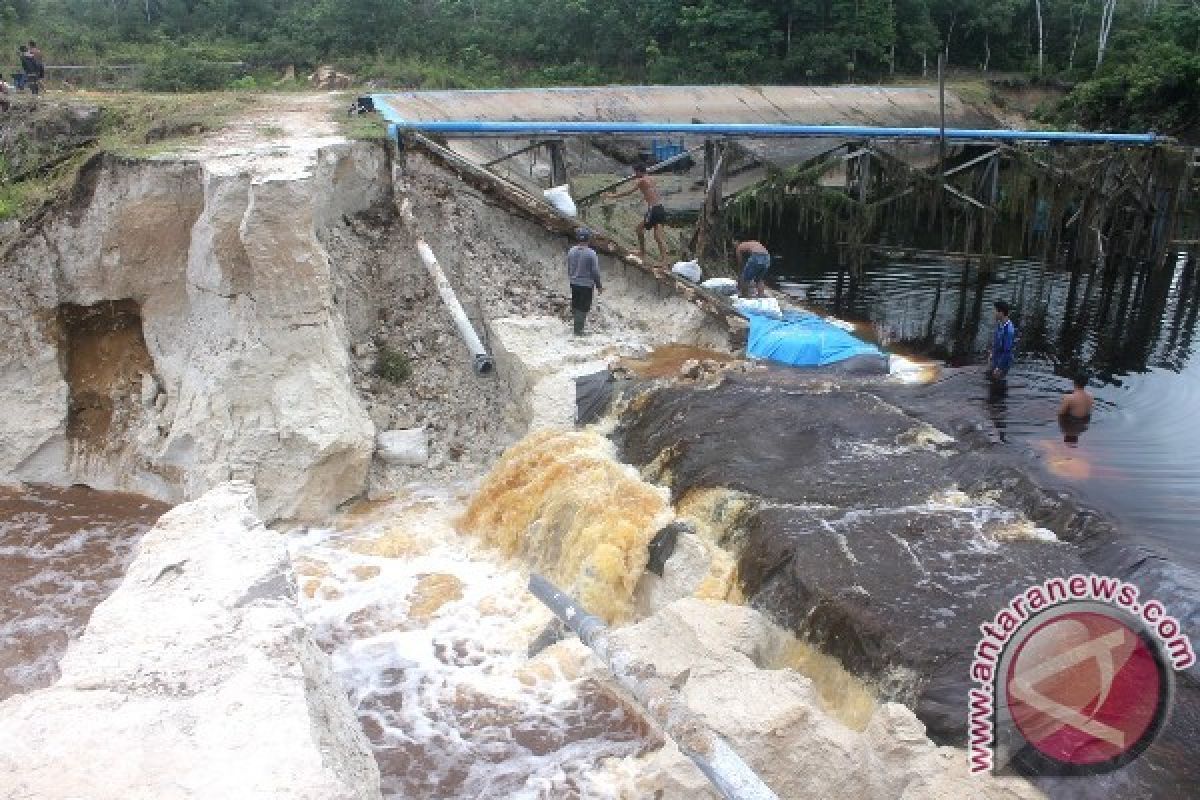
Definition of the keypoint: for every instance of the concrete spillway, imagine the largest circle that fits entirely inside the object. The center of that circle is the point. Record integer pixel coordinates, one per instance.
(810, 105)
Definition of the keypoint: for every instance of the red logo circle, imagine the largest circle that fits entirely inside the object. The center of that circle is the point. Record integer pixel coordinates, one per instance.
(1085, 689)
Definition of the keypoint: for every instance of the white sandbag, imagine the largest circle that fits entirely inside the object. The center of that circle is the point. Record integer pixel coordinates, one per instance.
(763, 306)
(688, 269)
(409, 446)
(724, 286)
(560, 198)
(841, 323)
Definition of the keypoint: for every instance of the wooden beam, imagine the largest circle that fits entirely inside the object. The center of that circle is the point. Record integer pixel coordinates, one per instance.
(964, 197)
(968, 164)
(894, 197)
(513, 154)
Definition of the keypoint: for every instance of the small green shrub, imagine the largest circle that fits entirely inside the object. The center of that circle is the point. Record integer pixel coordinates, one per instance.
(246, 83)
(393, 366)
(10, 203)
(182, 71)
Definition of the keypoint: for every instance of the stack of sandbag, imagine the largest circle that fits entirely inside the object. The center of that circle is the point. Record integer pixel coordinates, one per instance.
(560, 198)
(688, 269)
(723, 286)
(761, 306)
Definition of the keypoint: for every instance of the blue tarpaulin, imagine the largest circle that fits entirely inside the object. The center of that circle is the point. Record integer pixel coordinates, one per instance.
(802, 339)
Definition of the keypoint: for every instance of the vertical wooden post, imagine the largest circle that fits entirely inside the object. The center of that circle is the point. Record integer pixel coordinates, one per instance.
(864, 176)
(704, 237)
(1178, 205)
(558, 162)
(991, 183)
(941, 67)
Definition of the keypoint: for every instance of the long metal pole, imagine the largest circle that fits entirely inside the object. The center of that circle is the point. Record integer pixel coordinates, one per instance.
(731, 776)
(659, 167)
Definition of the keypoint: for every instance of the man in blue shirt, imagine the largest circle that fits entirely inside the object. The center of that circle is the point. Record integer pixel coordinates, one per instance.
(1004, 340)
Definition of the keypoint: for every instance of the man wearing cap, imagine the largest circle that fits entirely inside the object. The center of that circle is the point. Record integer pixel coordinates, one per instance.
(583, 271)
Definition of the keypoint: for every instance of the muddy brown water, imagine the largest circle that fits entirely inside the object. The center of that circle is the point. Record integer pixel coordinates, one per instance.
(666, 361)
(62, 551)
(428, 631)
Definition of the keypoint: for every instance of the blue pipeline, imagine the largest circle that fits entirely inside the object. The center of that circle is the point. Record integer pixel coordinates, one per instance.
(493, 128)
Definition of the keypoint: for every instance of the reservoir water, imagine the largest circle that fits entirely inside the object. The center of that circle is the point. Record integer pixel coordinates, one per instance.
(1133, 332)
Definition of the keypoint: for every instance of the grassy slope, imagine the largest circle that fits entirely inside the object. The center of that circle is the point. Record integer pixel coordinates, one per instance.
(131, 124)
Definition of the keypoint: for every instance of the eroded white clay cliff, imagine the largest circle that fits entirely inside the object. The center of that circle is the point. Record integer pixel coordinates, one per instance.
(177, 327)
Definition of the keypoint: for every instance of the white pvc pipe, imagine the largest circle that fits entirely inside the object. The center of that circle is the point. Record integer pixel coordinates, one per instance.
(483, 362)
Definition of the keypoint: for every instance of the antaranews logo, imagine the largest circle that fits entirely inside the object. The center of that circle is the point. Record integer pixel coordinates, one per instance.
(1074, 677)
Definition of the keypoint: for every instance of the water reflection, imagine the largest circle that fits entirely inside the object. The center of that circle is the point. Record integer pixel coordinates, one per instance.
(1072, 427)
(1131, 327)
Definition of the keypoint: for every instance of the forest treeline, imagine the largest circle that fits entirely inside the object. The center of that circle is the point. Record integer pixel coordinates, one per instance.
(1133, 63)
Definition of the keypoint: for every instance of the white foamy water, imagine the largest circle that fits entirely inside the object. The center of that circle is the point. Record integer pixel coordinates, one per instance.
(428, 633)
(62, 551)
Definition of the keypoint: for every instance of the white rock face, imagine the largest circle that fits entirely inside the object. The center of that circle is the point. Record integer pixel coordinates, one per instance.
(773, 718)
(682, 575)
(247, 354)
(196, 678)
(404, 446)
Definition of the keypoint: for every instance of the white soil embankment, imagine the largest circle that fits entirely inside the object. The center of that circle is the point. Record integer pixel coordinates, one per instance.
(203, 308)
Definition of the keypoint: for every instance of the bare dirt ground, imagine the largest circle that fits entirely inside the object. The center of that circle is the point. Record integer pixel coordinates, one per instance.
(277, 139)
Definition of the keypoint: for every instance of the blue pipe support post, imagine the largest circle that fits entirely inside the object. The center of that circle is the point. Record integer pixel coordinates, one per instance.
(398, 125)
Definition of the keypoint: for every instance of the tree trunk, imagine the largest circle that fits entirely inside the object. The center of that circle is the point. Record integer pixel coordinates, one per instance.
(987, 52)
(1107, 10)
(788, 50)
(1041, 38)
(1078, 25)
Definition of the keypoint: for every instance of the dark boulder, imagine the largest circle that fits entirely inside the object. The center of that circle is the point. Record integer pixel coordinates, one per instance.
(889, 545)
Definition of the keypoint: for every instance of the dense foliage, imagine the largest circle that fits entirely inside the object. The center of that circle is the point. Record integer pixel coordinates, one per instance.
(1142, 50)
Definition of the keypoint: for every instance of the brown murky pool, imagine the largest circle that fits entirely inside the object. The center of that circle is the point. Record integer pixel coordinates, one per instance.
(666, 360)
(62, 551)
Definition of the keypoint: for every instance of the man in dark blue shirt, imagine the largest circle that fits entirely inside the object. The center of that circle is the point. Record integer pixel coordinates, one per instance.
(1004, 340)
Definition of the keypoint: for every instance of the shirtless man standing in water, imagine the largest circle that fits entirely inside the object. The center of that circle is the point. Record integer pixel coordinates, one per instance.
(656, 215)
(1075, 411)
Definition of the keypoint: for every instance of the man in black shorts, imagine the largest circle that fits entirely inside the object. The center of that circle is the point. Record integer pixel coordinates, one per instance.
(583, 273)
(655, 216)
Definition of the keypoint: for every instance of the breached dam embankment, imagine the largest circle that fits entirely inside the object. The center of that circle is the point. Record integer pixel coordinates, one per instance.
(211, 329)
